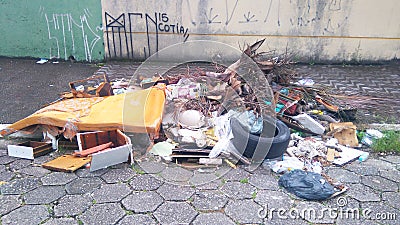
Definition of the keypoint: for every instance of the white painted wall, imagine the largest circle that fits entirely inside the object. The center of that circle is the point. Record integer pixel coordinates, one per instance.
(316, 30)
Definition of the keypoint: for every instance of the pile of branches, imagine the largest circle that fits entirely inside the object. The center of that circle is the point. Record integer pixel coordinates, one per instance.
(275, 68)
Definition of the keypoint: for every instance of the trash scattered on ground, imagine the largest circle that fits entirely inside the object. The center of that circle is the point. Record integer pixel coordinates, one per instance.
(98, 150)
(363, 157)
(286, 165)
(204, 119)
(347, 155)
(42, 61)
(370, 135)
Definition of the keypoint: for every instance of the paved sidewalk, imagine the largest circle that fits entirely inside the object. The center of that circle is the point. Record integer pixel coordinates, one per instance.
(152, 192)
(375, 88)
(156, 193)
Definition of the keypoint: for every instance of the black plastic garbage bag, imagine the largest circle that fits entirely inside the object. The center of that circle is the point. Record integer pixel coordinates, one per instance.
(308, 185)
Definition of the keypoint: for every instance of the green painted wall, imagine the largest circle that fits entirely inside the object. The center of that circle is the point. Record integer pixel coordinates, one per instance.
(45, 29)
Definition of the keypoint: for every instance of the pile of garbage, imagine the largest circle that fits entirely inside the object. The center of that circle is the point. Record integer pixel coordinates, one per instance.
(201, 119)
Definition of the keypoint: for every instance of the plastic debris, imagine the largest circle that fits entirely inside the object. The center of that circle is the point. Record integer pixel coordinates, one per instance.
(307, 185)
(370, 136)
(163, 149)
(288, 164)
(308, 122)
(363, 157)
(374, 133)
(305, 82)
(191, 119)
(255, 122)
(222, 130)
(309, 148)
(366, 140)
(42, 61)
(186, 89)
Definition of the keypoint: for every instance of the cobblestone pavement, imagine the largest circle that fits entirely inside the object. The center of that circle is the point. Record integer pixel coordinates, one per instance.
(376, 87)
(151, 192)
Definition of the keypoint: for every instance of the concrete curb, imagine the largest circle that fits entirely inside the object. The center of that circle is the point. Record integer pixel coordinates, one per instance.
(380, 126)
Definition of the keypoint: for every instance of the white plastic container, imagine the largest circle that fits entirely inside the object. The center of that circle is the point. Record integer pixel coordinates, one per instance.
(309, 123)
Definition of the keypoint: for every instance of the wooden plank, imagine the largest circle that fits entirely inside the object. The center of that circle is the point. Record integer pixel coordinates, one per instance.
(68, 145)
(330, 155)
(66, 163)
(92, 150)
(103, 137)
(112, 136)
(189, 150)
(88, 141)
(121, 138)
(188, 156)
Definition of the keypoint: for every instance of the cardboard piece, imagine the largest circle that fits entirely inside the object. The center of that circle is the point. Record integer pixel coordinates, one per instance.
(347, 155)
(66, 163)
(29, 149)
(330, 155)
(345, 133)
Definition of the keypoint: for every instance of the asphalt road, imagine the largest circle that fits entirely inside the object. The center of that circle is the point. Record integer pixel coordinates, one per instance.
(27, 86)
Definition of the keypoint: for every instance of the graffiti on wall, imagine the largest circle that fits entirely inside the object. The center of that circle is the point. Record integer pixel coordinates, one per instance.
(121, 32)
(139, 33)
(68, 35)
(324, 17)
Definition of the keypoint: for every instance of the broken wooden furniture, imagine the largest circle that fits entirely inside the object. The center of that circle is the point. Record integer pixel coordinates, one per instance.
(29, 149)
(102, 149)
(118, 150)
